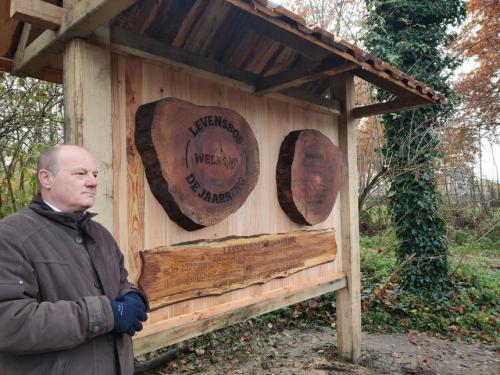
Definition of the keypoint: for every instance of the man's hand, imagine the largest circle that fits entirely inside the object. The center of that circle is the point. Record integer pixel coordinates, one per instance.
(136, 297)
(129, 311)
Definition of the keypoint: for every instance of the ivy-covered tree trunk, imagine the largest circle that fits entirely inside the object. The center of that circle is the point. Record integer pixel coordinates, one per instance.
(412, 35)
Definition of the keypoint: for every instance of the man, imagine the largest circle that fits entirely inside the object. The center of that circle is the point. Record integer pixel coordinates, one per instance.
(66, 306)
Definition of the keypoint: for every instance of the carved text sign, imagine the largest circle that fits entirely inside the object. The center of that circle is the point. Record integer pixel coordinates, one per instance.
(180, 272)
(201, 162)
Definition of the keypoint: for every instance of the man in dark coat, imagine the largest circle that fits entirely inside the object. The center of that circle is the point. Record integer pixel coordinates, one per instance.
(66, 306)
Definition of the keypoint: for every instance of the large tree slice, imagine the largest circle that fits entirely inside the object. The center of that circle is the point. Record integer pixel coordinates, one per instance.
(201, 162)
(308, 176)
(185, 271)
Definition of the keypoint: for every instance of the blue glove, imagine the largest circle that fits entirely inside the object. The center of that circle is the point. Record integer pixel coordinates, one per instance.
(136, 297)
(128, 314)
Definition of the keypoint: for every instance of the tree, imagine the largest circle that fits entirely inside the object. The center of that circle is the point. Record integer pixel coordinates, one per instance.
(31, 119)
(341, 17)
(479, 42)
(413, 36)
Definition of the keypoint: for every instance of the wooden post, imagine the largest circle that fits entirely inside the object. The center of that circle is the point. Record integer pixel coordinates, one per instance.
(348, 299)
(87, 115)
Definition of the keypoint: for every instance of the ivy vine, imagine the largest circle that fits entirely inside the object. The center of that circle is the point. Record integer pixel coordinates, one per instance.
(413, 36)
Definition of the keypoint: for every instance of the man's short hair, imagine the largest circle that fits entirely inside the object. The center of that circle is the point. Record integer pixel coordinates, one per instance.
(48, 160)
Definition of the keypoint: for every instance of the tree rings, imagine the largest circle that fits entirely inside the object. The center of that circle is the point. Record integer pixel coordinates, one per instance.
(201, 162)
(308, 176)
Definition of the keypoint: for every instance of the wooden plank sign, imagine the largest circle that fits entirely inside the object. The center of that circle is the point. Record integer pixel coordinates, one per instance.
(308, 176)
(201, 162)
(185, 271)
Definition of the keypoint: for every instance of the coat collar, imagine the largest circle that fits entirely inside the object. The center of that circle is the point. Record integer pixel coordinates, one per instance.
(72, 220)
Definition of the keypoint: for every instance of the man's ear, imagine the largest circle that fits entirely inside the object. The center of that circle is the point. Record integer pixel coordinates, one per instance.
(45, 178)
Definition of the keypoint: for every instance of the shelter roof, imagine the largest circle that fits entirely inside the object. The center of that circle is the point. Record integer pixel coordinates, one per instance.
(253, 41)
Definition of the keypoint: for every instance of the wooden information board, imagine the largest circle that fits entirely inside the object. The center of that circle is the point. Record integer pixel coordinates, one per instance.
(176, 273)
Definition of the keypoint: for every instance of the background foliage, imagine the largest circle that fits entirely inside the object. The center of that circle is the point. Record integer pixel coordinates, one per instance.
(413, 36)
(31, 117)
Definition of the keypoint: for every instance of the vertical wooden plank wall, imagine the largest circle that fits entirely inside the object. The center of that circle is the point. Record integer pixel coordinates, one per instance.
(140, 221)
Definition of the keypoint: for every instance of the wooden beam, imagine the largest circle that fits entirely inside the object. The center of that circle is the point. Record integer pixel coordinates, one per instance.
(79, 21)
(395, 105)
(87, 114)
(348, 260)
(177, 329)
(124, 37)
(381, 80)
(300, 76)
(332, 105)
(46, 74)
(296, 42)
(187, 24)
(37, 12)
(23, 41)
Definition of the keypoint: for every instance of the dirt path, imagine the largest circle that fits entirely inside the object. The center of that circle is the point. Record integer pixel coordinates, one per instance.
(310, 350)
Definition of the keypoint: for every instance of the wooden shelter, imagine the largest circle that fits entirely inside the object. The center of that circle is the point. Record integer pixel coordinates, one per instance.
(252, 57)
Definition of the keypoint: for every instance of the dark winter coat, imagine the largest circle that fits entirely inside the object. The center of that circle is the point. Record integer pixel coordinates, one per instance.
(57, 273)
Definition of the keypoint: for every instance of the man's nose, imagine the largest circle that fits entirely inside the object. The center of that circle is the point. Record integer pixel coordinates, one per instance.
(91, 181)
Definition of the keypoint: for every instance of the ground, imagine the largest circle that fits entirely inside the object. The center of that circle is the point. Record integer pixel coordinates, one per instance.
(311, 350)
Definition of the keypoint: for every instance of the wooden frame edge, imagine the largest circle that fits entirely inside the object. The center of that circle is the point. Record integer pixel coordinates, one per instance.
(198, 323)
(395, 105)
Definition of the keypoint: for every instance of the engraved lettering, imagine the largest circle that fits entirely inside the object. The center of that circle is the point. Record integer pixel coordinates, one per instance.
(195, 186)
(199, 157)
(201, 194)
(218, 160)
(190, 179)
(205, 271)
(209, 121)
(207, 196)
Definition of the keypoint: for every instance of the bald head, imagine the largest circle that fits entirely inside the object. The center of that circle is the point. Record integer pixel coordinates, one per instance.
(48, 160)
(67, 177)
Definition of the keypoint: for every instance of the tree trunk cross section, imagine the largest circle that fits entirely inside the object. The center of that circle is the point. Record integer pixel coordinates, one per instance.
(201, 162)
(185, 271)
(308, 176)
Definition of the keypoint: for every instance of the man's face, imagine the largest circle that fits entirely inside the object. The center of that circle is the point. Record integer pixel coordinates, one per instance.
(73, 187)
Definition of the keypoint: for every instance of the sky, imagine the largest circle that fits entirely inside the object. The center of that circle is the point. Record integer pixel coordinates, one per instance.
(490, 155)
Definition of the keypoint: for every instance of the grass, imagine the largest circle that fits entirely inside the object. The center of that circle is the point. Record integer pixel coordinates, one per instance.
(470, 311)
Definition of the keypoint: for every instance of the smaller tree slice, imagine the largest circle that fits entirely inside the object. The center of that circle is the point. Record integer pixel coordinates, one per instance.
(201, 162)
(308, 176)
